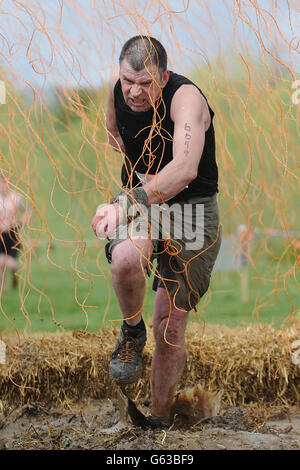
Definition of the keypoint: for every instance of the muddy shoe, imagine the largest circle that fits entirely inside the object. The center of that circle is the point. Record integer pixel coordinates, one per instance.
(126, 361)
(154, 422)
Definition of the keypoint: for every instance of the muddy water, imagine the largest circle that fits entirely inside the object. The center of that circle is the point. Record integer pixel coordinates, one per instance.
(95, 425)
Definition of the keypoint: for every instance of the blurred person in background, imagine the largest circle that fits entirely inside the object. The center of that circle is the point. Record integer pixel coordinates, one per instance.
(12, 219)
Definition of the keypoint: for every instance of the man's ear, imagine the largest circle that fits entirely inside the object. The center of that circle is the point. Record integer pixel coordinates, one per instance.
(165, 78)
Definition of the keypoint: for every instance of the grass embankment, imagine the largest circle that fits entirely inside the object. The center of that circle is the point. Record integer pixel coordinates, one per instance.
(54, 295)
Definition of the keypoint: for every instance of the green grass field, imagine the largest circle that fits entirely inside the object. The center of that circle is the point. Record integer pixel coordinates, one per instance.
(59, 160)
(56, 298)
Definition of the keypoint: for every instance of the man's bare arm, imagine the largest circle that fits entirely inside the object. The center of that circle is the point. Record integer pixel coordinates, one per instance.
(191, 117)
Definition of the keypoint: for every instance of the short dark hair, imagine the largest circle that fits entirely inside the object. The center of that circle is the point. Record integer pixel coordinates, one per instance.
(140, 51)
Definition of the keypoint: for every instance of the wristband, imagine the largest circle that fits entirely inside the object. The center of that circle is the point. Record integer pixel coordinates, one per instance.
(139, 199)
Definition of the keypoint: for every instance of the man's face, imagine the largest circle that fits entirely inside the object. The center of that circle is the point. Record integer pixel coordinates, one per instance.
(141, 89)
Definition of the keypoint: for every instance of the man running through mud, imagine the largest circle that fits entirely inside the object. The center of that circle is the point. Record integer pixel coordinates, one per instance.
(162, 125)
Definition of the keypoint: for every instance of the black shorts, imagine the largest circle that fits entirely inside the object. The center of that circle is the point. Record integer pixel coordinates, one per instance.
(9, 242)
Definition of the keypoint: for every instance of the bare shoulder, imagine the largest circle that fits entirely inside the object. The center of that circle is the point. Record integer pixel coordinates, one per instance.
(111, 121)
(188, 100)
(114, 77)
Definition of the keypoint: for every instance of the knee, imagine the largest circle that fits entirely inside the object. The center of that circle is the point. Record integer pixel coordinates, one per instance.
(12, 263)
(124, 265)
(3, 261)
(170, 331)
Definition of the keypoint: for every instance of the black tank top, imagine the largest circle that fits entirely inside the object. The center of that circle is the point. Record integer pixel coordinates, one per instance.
(148, 138)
